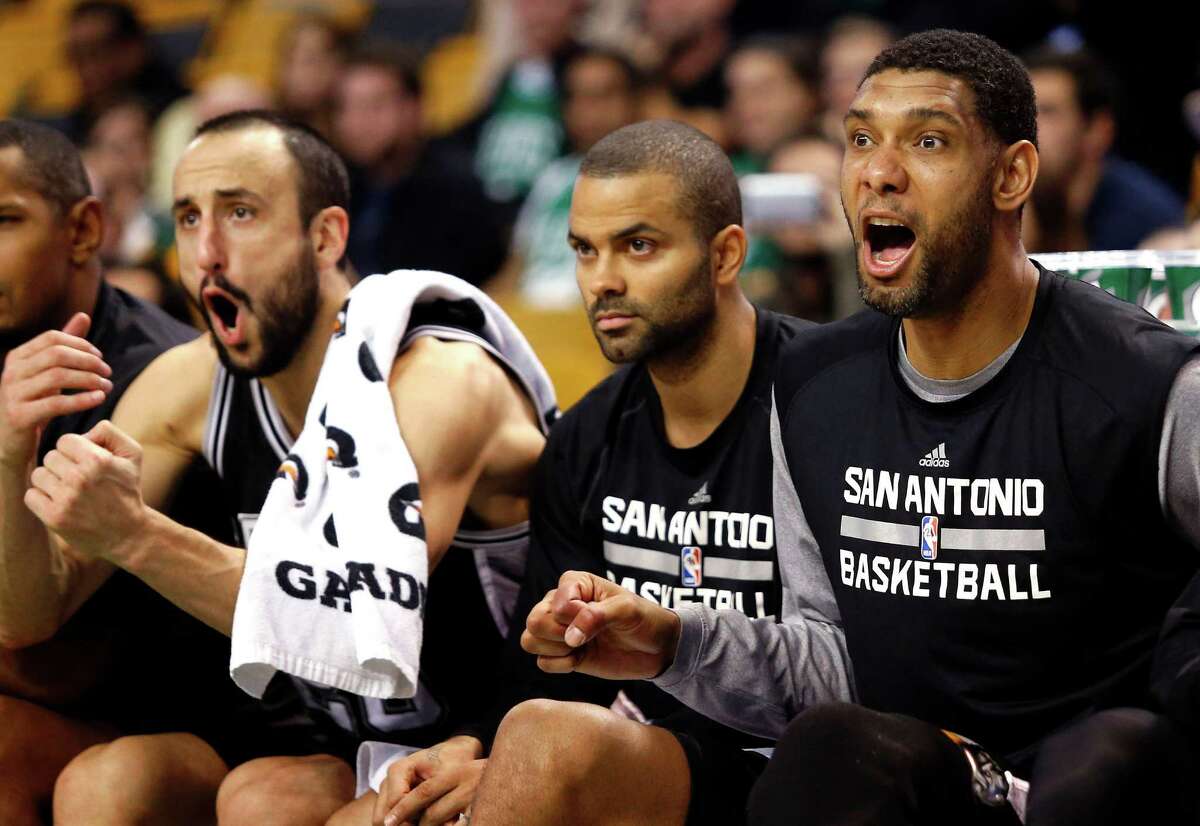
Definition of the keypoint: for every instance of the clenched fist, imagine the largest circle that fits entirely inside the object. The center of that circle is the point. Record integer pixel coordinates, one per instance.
(594, 626)
(88, 490)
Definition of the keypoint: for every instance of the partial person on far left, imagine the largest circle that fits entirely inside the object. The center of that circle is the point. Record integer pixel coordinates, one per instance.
(71, 344)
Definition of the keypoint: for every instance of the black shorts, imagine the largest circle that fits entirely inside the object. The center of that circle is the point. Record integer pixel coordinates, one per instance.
(722, 770)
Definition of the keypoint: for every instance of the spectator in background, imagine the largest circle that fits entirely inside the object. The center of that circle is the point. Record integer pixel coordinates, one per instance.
(772, 85)
(117, 156)
(107, 47)
(520, 130)
(772, 95)
(693, 39)
(850, 45)
(816, 277)
(411, 205)
(1087, 198)
(601, 93)
(137, 236)
(311, 53)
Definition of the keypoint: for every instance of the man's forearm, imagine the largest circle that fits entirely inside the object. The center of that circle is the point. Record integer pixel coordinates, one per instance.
(34, 577)
(198, 574)
(756, 675)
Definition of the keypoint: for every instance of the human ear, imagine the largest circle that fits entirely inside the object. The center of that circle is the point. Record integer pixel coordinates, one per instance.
(329, 233)
(1016, 171)
(727, 251)
(85, 222)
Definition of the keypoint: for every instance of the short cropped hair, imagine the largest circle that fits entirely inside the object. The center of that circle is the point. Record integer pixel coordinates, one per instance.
(321, 177)
(1095, 87)
(50, 165)
(1003, 94)
(708, 188)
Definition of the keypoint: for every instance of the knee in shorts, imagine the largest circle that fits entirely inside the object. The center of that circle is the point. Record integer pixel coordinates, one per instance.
(111, 777)
(546, 735)
(255, 791)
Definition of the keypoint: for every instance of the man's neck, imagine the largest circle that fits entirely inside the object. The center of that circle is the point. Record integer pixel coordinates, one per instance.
(291, 389)
(985, 324)
(698, 393)
(82, 295)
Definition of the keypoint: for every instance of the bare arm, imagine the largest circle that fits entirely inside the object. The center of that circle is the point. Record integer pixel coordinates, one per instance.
(471, 433)
(41, 584)
(100, 492)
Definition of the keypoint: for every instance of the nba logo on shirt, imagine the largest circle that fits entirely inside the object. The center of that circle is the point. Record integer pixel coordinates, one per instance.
(692, 560)
(929, 537)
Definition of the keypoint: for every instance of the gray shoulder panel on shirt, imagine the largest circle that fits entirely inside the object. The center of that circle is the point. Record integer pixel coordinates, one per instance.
(756, 675)
(1179, 455)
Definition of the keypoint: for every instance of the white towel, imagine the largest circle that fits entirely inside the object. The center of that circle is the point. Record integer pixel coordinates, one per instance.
(334, 584)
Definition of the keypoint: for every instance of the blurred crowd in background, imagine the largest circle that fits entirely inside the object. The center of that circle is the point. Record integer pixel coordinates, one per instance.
(464, 122)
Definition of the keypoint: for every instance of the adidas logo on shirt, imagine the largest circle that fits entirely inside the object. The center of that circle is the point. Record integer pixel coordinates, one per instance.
(936, 457)
(701, 496)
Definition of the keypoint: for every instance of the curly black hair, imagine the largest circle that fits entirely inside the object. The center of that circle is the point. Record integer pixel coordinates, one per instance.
(1003, 94)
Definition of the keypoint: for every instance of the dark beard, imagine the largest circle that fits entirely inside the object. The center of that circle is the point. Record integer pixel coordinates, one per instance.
(676, 327)
(285, 316)
(951, 266)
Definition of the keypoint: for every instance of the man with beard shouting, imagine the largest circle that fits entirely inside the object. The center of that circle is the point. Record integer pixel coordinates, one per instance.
(261, 226)
(991, 478)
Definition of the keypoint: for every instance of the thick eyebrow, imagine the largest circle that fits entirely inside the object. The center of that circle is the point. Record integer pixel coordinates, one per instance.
(629, 231)
(922, 113)
(237, 192)
(633, 229)
(918, 113)
(225, 194)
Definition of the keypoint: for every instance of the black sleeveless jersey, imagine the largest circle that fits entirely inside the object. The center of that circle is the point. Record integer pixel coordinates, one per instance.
(676, 526)
(1001, 563)
(470, 594)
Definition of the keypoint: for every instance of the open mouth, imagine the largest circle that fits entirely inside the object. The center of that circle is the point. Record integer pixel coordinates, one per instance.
(887, 243)
(224, 313)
